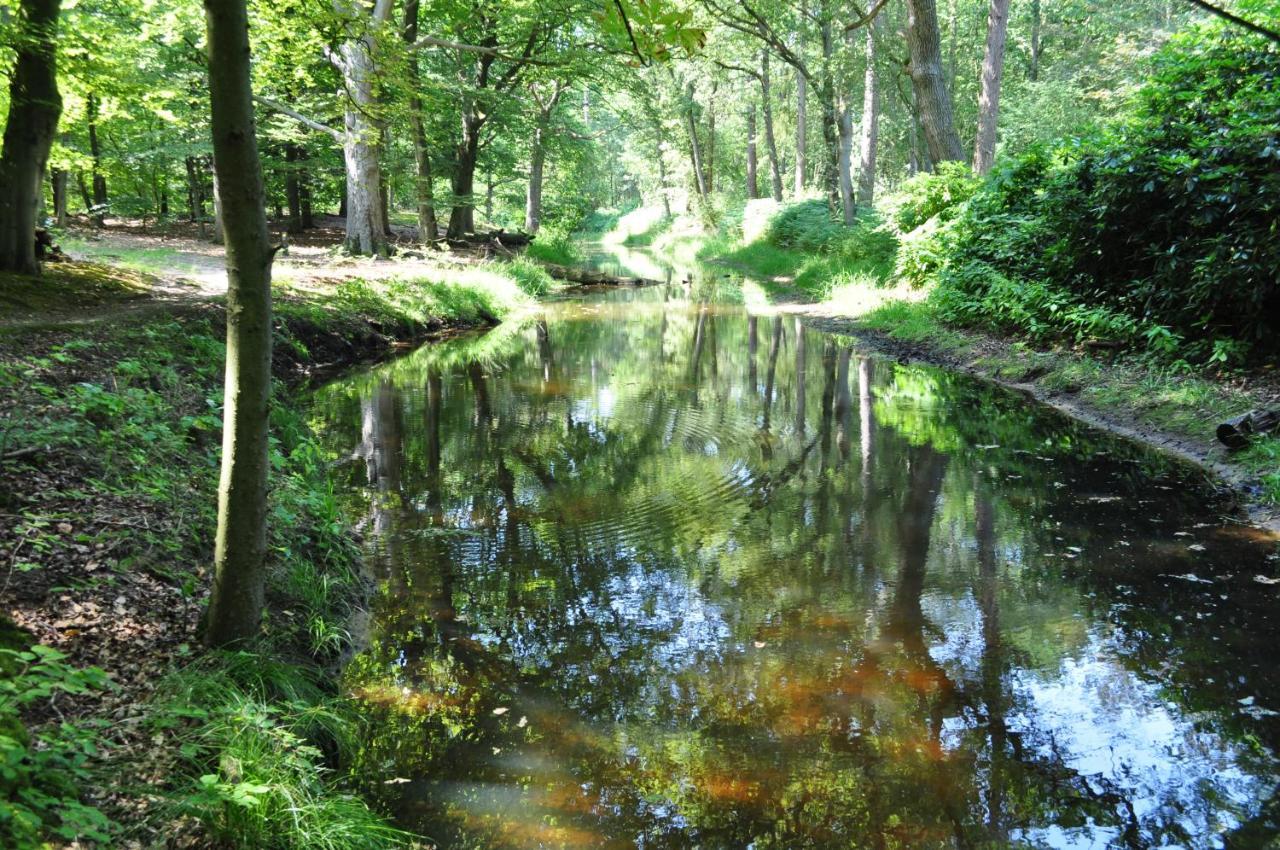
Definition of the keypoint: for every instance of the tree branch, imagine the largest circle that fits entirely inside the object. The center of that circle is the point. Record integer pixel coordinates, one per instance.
(1237, 20)
(299, 117)
(871, 16)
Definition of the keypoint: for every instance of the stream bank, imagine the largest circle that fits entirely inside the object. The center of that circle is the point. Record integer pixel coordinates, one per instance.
(109, 446)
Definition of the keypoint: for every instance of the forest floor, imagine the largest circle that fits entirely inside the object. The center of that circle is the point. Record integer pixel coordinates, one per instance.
(1173, 412)
(110, 390)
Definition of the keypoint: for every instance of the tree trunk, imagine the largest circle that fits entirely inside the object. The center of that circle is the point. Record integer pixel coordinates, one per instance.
(293, 188)
(695, 150)
(34, 107)
(1033, 72)
(711, 138)
(235, 605)
(831, 130)
(770, 141)
(662, 183)
(462, 216)
(95, 150)
(932, 99)
(753, 182)
(984, 147)
(848, 204)
(427, 229)
(802, 131)
(533, 199)
(58, 185)
(366, 223)
(217, 235)
(304, 193)
(195, 191)
(870, 124)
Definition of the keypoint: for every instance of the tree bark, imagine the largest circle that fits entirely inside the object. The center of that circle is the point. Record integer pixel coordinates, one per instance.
(802, 132)
(462, 216)
(662, 183)
(427, 228)
(848, 203)
(95, 150)
(217, 236)
(533, 198)
(932, 99)
(195, 191)
(870, 136)
(58, 185)
(984, 147)
(366, 231)
(770, 141)
(831, 129)
(34, 107)
(753, 182)
(304, 193)
(695, 150)
(235, 605)
(293, 188)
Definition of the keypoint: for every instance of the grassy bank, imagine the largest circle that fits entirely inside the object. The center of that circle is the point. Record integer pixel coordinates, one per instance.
(114, 725)
(881, 278)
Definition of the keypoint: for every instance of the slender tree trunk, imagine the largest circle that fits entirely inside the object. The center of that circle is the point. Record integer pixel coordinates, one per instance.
(195, 192)
(362, 137)
(770, 141)
(34, 107)
(1033, 72)
(462, 216)
(95, 151)
(293, 188)
(662, 183)
(533, 198)
(695, 150)
(753, 182)
(304, 193)
(427, 228)
(984, 147)
(85, 196)
(848, 203)
(235, 605)
(831, 142)
(932, 98)
(870, 124)
(953, 37)
(802, 132)
(58, 185)
(711, 136)
(217, 237)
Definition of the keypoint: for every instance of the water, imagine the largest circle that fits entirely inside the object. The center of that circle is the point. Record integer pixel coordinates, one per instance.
(655, 572)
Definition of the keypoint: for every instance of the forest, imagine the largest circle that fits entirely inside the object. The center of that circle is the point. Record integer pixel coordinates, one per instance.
(639, 423)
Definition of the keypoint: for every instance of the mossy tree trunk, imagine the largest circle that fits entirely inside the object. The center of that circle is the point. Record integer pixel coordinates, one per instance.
(235, 606)
(34, 107)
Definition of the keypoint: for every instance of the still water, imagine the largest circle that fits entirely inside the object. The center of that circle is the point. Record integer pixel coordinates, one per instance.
(657, 571)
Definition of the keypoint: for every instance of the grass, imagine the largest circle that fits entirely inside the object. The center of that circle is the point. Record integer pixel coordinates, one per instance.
(159, 260)
(69, 288)
(554, 246)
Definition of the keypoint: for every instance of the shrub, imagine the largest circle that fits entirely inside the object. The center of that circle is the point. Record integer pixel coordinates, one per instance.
(929, 194)
(804, 226)
(1171, 218)
(554, 245)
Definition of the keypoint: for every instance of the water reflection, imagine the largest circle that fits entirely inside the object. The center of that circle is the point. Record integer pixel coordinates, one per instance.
(657, 573)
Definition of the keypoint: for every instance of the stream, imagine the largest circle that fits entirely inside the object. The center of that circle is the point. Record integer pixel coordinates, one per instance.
(658, 571)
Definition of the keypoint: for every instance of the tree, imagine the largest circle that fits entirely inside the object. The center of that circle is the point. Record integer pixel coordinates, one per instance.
(34, 107)
(235, 605)
(423, 190)
(870, 135)
(927, 82)
(984, 148)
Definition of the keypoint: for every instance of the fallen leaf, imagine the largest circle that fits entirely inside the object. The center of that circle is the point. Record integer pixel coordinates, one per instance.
(760, 644)
(1266, 580)
(501, 711)
(1196, 547)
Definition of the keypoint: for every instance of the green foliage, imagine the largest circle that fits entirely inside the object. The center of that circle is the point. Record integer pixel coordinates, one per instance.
(1170, 220)
(257, 738)
(930, 194)
(554, 245)
(804, 226)
(42, 775)
(531, 277)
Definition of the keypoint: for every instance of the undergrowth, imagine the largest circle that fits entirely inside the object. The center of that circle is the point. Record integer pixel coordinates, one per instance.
(258, 742)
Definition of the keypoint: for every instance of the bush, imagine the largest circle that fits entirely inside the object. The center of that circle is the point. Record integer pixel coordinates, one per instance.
(929, 194)
(804, 226)
(554, 245)
(1171, 219)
